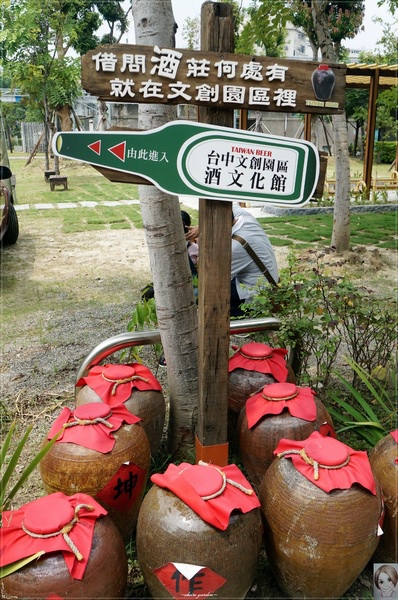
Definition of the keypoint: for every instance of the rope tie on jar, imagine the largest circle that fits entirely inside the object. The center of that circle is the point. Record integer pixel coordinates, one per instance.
(314, 463)
(255, 357)
(118, 382)
(95, 421)
(64, 531)
(290, 397)
(225, 480)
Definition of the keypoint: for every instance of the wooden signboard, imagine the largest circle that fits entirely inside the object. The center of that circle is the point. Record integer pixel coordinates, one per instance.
(144, 74)
(185, 158)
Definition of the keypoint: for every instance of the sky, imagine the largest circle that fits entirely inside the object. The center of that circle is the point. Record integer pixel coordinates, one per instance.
(364, 41)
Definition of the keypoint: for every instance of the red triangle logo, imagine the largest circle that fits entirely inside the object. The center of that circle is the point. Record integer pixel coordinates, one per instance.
(119, 150)
(96, 147)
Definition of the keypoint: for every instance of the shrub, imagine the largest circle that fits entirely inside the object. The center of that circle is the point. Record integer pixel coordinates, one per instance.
(385, 152)
(369, 409)
(325, 317)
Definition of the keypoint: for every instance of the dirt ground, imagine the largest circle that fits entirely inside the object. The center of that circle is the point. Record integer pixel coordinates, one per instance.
(72, 292)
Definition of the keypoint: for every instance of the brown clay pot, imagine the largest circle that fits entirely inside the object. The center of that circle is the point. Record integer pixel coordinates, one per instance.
(72, 468)
(105, 575)
(383, 459)
(149, 405)
(257, 444)
(169, 531)
(317, 543)
(242, 383)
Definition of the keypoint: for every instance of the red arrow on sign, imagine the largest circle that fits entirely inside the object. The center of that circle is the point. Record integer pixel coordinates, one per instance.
(96, 147)
(119, 150)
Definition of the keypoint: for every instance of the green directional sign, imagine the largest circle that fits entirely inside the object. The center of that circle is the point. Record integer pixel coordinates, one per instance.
(193, 159)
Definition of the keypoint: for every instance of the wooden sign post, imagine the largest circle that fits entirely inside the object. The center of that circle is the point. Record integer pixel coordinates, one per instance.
(215, 224)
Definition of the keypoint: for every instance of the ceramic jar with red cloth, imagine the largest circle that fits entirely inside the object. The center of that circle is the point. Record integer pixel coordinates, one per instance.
(102, 451)
(135, 386)
(253, 366)
(322, 510)
(199, 532)
(279, 410)
(70, 547)
(384, 462)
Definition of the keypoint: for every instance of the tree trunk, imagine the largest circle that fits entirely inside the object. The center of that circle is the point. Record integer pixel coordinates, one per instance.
(341, 214)
(175, 303)
(47, 135)
(341, 220)
(102, 124)
(65, 120)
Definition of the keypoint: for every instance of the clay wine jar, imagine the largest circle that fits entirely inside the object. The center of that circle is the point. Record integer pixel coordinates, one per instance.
(148, 403)
(318, 542)
(105, 575)
(169, 532)
(384, 462)
(253, 366)
(116, 479)
(261, 365)
(258, 442)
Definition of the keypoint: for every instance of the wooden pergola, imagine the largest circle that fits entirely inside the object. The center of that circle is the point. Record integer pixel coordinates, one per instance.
(373, 77)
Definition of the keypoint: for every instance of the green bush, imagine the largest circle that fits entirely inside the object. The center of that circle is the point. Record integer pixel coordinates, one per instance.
(369, 409)
(385, 152)
(326, 317)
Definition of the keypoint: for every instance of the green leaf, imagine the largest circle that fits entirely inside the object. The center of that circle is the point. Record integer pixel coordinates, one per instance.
(6, 444)
(33, 464)
(366, 407)
(12, 464)
(372, 437)
(350, 409)
(18, 564)
(365, 378)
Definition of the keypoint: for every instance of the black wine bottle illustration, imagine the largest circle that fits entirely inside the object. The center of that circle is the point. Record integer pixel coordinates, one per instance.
(323, 80)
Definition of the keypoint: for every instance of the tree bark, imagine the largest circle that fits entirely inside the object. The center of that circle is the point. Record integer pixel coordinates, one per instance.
(64, 114)
(175, 303)
(341, 213)
(341, 219)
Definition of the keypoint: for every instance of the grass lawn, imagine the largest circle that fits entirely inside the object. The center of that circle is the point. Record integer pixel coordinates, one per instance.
(85, 184)
(376, 229)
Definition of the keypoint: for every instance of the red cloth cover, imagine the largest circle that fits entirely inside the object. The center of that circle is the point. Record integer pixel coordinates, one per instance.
(256, 356)
(299, 401)
(191, 482)
(114, 384)
(331, 452)
(46, 515)
(95, 436)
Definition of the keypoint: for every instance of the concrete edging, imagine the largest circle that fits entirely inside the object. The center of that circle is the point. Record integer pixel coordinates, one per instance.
(279, 211)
